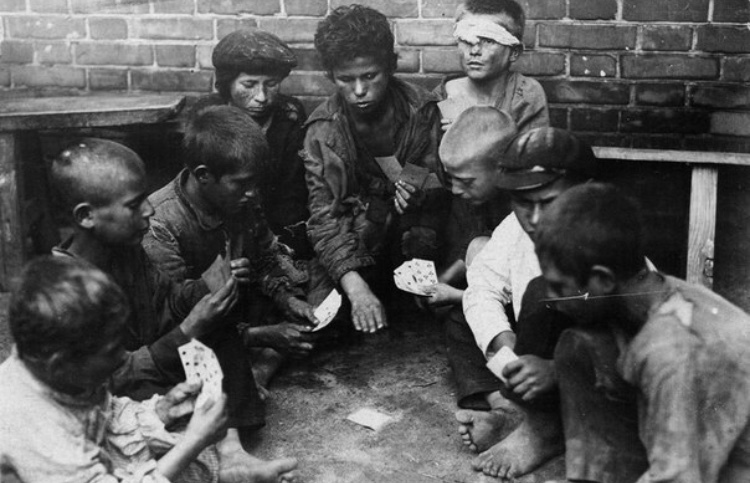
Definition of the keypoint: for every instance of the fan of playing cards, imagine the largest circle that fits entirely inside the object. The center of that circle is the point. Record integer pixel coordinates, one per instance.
(200, 364)
(416, 276)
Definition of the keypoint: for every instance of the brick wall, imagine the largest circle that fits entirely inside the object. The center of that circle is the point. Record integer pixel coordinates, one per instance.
(642, 73)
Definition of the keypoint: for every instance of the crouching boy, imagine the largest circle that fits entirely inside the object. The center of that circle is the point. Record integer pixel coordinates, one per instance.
(57, 418)
(684, 349)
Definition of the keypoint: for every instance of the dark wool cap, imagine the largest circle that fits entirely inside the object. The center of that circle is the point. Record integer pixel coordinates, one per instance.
(254, 52)
(478, 134)
(542, 155)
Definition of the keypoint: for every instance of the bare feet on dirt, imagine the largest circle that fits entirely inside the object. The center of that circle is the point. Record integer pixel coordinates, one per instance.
(537, 440)
(481, 429)
(241, 467)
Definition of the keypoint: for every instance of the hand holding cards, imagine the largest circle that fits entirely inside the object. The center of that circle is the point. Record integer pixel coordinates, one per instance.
(201, 365)
(416, 276)
(327, 310)
(498, 362)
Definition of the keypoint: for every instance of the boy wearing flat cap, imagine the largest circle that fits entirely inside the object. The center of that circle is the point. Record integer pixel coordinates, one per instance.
(521, 430)
(365, 218)
(250, 66)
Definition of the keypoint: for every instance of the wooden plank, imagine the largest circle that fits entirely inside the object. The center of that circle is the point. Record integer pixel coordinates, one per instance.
(87, 111)
(672, 156)
(11, 224)
(702, 226)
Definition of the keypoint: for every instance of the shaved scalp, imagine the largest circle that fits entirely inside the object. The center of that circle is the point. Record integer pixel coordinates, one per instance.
(86, 171)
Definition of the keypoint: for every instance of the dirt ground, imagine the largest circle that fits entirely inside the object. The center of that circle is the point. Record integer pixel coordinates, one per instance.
(402, 373)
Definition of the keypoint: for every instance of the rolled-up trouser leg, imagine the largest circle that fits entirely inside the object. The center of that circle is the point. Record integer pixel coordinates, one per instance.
(599, 410)
(473, 379)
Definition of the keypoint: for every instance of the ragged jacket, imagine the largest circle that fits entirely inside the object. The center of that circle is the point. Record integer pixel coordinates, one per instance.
(351, 199)
(183, 241)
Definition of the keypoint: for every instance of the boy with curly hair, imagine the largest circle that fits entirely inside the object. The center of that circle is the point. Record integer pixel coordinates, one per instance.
(364, 217)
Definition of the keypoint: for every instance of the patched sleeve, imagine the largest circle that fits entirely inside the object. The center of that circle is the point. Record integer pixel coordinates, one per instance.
(330, 226)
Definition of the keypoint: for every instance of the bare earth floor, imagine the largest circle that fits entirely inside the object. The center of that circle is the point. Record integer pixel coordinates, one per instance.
(401, 373)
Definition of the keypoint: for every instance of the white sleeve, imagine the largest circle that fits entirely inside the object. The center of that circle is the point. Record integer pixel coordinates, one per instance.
(489, 288)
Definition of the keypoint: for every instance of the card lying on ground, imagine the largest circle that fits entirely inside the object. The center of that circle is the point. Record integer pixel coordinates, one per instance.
(327, 310)
(200, 364)
(500, 360)
(369, 418)
(416, 276)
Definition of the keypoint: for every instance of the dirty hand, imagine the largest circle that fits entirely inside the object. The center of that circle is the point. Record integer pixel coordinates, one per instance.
(287, 337)
(444, 294)
(368, 313)
(530, 376)
(209, 422)
(445, 124)
(407, 196)
(178, 402)
(301, 311)
(240, 268)
(210, 309)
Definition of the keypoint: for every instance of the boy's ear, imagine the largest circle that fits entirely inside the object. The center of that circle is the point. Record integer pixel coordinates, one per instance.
(83, 214)
(602, 280)
(516, 52)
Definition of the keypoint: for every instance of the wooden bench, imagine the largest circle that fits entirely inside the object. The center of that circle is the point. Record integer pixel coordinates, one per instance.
(703, 195)
(20, 116)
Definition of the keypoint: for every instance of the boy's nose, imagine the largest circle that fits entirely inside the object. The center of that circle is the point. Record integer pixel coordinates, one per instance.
(359, 88)
(148, 209)
(260, 94)
(456, 190)
(475, 49)
(536, 213)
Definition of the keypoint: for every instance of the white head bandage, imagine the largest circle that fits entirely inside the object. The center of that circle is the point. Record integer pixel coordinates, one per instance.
(470, 30)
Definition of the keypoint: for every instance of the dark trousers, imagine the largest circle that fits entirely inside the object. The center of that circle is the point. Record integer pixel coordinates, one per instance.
(537, 332)
(599, 410)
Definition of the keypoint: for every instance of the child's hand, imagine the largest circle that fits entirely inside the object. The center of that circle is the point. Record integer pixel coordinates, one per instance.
(444, 294)
(301, 311)
(209, 309)
(178, 402)
(240, 269)
(407, 197)
(530, 376)
(285, 337)
(209, 421)
(445, 124)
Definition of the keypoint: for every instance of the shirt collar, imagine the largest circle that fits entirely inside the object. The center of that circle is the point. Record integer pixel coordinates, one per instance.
(207, 221)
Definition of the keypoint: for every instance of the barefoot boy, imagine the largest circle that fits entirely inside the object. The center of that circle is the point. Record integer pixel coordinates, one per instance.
(535, 168)
(59, 422)
(250, 67)
(102, 186)
(684, 349)
(211, 210)
(364, 219)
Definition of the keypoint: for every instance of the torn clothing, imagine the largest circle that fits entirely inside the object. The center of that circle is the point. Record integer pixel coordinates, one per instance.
(351, 198)
(184, 241)
(152, 336)
(691, 365)
(284, 191)
(53, 437)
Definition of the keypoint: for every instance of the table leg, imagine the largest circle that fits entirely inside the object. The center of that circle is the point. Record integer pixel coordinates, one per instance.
(11, 227)
(702, 227)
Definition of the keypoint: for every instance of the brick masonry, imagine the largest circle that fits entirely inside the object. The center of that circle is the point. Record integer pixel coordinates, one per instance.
(666, 73)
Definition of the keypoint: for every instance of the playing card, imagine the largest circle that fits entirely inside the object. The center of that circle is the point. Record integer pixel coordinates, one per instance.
(200, 364)
(416, 276)
(498, 362)
(327, 310)
(414, 175)
(217, 274)
(390, 166)
(369, 418)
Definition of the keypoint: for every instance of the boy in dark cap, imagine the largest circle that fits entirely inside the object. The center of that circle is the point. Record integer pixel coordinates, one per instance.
(365, 218)
(534, 167)
(250, 65)
(684, 350)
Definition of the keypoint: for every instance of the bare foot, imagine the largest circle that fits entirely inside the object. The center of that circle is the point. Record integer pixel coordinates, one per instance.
(265, 362)
(481, 429)
(538, 439)
(241, 467)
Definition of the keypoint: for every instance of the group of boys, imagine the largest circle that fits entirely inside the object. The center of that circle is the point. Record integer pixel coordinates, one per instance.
(636, 376)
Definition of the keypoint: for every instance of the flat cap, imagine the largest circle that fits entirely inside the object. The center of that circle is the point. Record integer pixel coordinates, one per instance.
(478, 135)
(542, 155)
(255, 52)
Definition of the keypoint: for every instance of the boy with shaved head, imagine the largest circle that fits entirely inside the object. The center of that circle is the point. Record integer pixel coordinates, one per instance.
(102, 187)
